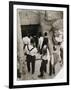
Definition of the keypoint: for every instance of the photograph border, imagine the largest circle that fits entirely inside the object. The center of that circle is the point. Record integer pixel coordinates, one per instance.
(11, 37)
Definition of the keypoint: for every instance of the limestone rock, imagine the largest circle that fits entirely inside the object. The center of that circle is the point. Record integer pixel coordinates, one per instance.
(58, 24)
(53, 15)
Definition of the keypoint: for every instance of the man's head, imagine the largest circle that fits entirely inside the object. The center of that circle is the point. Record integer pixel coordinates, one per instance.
(40, 34)
(45, 34)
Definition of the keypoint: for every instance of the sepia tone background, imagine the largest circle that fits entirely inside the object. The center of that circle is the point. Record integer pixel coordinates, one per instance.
(33, 21)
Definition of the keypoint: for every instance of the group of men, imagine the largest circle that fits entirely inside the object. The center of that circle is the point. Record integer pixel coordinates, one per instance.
(31, 49)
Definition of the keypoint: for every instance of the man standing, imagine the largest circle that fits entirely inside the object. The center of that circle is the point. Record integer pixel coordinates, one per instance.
(26, 40)
(31, 57)
(45, 58)
(45, 40)
(40, 42)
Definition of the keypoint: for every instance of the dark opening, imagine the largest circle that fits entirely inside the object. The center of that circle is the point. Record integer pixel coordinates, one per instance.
(30, 29)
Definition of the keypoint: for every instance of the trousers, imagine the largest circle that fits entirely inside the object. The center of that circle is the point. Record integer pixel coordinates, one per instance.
(31, 61)
(43, 67)
(51, 69)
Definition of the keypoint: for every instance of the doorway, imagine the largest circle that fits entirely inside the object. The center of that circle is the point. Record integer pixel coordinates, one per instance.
(30, 29)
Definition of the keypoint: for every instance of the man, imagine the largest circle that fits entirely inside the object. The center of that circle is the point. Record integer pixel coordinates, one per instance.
(45, 58)
(58, 42)
(26, 40)
(35, 37)
(40, 42)
(45, 40)
(31, 56)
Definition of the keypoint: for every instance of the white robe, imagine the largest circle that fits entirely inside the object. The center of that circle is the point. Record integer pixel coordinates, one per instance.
(40, 42)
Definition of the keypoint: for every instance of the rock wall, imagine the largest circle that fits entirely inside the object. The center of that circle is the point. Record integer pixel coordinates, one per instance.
(51, 19)
(29, 17)
(20, 52)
